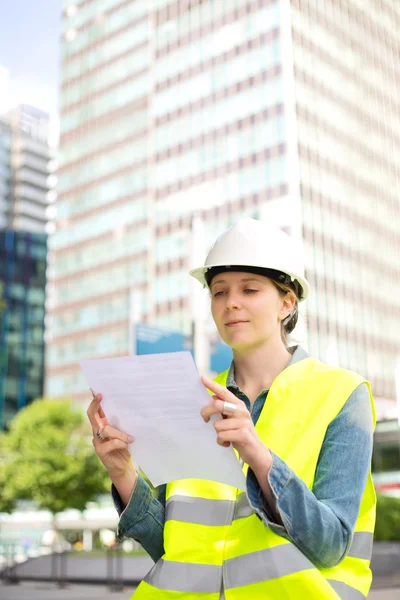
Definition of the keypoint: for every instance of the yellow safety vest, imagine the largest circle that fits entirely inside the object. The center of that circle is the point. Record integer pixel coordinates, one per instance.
(213, 536)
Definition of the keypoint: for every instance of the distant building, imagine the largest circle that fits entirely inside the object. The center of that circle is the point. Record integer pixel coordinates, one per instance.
(27, 178)
(281, 110)
(22, 311)
(26, 192)
(386, 457)
(5, 172)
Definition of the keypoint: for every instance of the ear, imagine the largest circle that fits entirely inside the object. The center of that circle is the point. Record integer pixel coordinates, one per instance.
(288, 304)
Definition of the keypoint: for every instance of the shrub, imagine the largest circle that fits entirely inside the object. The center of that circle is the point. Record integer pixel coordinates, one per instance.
(387, 519)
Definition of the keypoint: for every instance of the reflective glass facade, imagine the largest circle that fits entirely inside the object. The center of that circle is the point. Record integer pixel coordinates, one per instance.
(348, 124)
(22, 305)
(166, 112)
(5, 172)
(219, 110)
(26, 170)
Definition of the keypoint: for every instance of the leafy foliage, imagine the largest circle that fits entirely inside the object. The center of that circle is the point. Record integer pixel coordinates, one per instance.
(47, 457)
(387, 519)
(3, 303)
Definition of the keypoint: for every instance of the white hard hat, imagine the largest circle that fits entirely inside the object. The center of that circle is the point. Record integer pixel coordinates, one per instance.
(254, 246)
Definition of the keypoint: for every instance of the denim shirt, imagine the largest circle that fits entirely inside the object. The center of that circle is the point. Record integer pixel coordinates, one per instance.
(320, 522)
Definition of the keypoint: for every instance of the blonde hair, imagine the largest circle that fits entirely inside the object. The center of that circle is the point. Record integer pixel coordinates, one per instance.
(288, 324)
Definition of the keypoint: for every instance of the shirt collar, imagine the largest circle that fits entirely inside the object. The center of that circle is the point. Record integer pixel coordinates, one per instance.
(298, 353)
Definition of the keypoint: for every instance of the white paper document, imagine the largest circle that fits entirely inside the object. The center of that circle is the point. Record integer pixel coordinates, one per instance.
(157, 399)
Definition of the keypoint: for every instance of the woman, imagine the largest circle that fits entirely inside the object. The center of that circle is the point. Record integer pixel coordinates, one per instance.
(302, 430)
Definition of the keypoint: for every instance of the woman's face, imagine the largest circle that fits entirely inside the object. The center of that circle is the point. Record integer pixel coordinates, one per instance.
(247, 309)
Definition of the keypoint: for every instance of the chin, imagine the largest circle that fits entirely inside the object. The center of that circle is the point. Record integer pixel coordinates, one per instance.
(243, 344)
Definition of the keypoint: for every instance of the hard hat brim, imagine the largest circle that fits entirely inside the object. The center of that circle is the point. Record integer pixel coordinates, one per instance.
(199, 274)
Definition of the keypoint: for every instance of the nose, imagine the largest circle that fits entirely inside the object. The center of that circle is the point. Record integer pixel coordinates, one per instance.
(232, 301)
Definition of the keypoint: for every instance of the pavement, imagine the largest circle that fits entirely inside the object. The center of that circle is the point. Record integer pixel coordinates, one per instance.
(29, 590)
(89, 576)
(389, 594)
(80, 569)
(50, 591)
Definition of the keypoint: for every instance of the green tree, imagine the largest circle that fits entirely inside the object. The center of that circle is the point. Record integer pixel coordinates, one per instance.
(6, 505)
(3, 304)
(387, 519)
(47, 457)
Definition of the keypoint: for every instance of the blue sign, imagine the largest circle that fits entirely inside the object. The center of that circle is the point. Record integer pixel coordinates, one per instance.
(221, 357)
(153, 340)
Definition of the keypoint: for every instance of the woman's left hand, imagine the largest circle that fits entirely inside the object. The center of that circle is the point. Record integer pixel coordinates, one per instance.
(236, 428)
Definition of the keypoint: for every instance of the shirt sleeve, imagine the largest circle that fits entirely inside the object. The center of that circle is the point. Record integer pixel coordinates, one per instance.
(143, 517)
(321, 521)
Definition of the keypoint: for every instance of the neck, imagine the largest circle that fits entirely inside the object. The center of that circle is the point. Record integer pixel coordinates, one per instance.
(256, 369)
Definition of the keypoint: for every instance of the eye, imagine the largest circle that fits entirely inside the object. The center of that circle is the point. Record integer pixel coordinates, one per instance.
(250, 291)
(218, 294)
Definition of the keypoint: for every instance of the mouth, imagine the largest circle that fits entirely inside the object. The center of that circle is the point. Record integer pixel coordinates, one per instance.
(234, 323)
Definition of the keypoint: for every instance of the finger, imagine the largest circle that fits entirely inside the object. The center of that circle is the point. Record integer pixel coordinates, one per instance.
(105, 447)
(231, 437)
(109, 432)
(207, 411)
(224, 444)
(202, 411)
(214, 408)
(219, 390)
(92, 412)
(229, 424)
(217, 407)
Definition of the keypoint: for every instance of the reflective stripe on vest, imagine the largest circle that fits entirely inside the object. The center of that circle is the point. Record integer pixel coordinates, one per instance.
(183, 576)
(345, 592)
(242, 570)
(247, 569)
(361, 546)
(203, 511)
(206, 512)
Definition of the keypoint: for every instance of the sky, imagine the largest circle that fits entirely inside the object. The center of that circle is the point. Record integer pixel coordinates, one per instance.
(30, 33)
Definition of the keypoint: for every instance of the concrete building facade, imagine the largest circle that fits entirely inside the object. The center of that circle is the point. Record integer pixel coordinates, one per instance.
(22, 319)
(27, 165)
(279, 110)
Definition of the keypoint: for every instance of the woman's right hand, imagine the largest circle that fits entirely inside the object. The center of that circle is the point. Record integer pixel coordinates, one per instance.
(113, 448)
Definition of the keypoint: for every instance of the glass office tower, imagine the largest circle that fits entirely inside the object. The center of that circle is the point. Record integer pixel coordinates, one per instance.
(348, 128)
(279, 110)
(26, 170)
(22, 304)
(26, 193)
